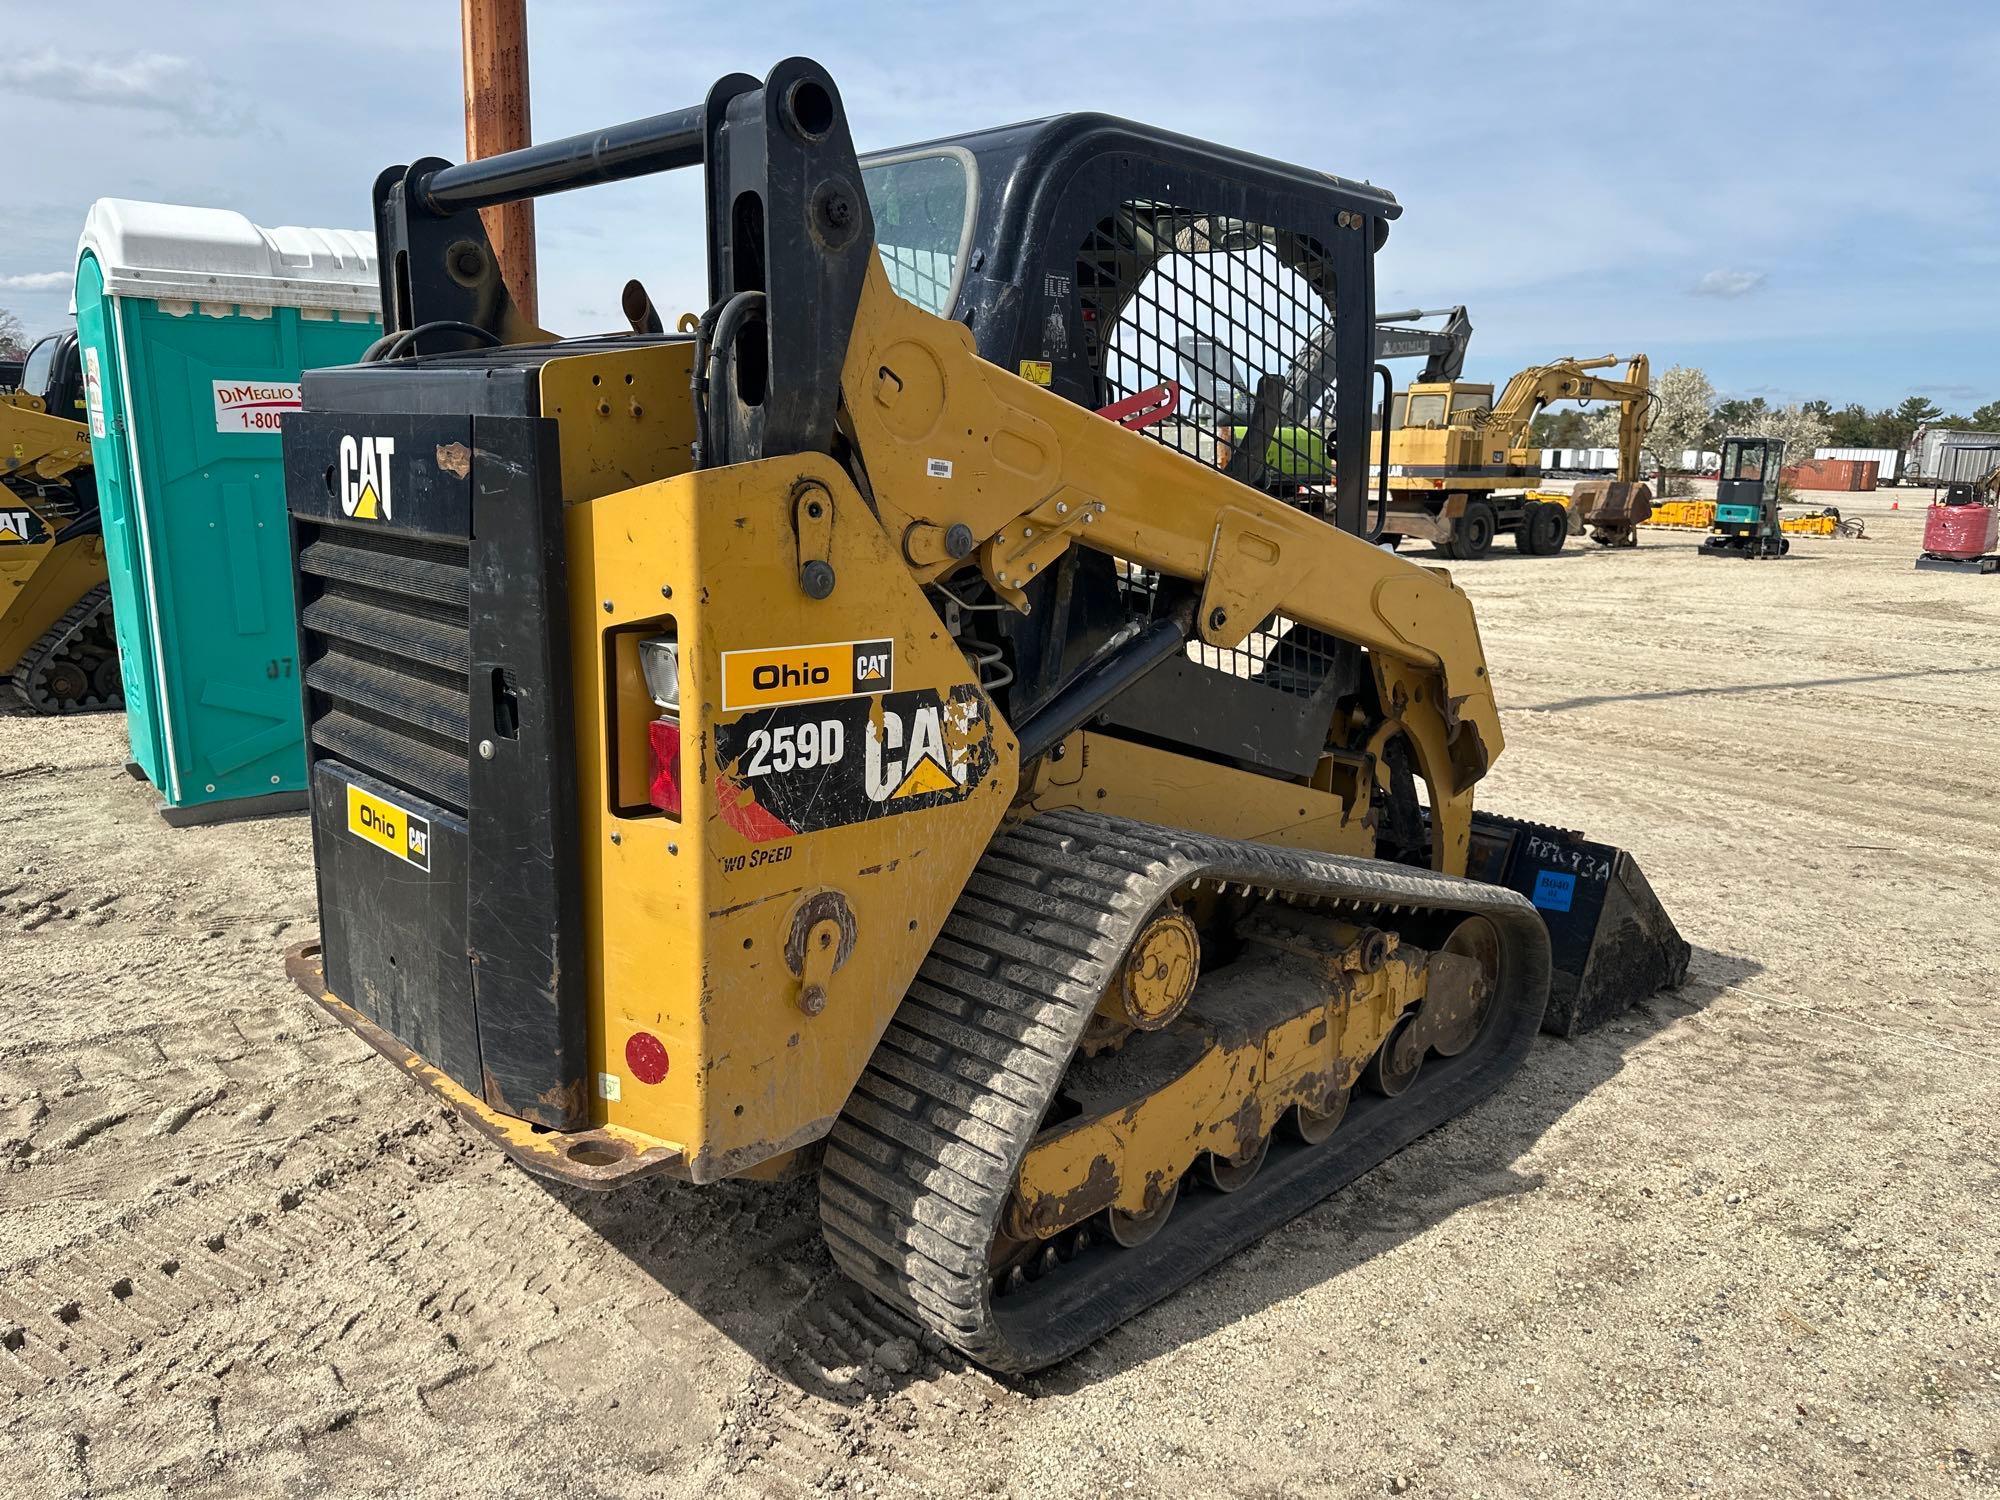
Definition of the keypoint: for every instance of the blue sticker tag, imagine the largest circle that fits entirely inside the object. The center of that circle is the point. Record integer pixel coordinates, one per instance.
(1554, 891)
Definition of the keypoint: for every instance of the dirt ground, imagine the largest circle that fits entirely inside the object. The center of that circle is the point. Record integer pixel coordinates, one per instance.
(1739, 1243)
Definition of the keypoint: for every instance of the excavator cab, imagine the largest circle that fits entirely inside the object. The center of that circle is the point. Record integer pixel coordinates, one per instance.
(1746, 500)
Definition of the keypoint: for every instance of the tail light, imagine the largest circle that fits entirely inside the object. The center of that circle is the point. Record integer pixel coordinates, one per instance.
(659, 660)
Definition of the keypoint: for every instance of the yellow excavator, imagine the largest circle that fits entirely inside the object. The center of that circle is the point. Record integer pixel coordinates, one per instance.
(56, 643)
(868, 734)
(1460, 471)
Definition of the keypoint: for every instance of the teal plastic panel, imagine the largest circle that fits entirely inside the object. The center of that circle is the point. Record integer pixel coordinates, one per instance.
(210, 581)
(131, 605)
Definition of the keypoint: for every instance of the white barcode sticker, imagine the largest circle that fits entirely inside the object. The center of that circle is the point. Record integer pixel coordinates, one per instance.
(938, 468)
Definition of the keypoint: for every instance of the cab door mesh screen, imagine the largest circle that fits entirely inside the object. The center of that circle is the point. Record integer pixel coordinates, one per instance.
(1213, 313)
(1213, 316)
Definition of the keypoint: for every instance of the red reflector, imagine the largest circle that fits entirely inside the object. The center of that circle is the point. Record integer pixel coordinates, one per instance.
(664, 736)
(646, 1056)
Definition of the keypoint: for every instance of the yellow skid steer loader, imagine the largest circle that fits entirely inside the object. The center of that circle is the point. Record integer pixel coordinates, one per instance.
(879, 732)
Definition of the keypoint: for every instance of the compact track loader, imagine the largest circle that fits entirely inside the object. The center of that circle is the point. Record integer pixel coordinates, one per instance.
(855, 735)
(56, 645)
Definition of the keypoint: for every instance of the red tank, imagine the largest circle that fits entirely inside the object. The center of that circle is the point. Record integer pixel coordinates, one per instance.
(1962, 532)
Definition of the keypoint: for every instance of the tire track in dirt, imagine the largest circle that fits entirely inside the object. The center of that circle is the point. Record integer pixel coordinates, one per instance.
(1691, 1225)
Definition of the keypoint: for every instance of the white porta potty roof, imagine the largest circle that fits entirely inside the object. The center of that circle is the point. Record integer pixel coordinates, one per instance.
(216, 255)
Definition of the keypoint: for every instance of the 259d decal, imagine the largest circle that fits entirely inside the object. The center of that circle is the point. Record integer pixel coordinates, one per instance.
(805, 767)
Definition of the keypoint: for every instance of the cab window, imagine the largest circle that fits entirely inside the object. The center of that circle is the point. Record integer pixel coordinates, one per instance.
(41, 362)
(1426, 410)
(920, 205)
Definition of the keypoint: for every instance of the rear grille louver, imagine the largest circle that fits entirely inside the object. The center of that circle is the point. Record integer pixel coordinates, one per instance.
(387, 652)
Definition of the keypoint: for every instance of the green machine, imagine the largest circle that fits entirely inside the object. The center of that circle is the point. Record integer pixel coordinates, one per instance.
(1746, 501)
(196, 325)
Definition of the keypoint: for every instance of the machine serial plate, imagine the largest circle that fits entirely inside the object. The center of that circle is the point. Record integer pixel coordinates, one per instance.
(387, 826)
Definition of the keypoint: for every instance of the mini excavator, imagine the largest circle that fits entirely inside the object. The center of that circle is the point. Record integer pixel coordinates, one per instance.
(1747, 520)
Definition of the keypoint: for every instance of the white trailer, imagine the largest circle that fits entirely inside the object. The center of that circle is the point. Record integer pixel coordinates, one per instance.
(1937, 456)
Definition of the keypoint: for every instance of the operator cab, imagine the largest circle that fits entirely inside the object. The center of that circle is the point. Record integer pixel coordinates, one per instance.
(53, 374)
(1441, 405)
(1746, 500)
(1749, 476)
(1216, 302)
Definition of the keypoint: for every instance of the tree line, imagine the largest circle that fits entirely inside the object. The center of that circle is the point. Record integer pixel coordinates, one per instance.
(1688, 414)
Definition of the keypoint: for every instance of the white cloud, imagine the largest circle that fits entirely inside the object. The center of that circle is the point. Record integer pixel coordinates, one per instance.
(1728, 283)
(156, 81)
(35, 281)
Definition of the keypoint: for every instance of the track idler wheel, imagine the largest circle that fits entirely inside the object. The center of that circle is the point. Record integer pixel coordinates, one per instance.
(1452, 1018)
(1133, 1230)
(66, 681)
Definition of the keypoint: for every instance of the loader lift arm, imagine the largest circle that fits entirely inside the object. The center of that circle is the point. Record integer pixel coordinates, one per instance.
(37, 445)
(1071, 478)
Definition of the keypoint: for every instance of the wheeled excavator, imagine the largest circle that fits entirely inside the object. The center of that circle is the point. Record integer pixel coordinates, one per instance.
(835, 739)
(56, 644)
(1460, 471)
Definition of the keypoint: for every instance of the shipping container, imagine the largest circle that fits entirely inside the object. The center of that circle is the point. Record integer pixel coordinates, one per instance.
(1888, 461)
(1847, 474)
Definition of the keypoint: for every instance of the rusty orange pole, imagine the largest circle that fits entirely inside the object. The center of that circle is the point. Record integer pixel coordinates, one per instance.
(496, 120)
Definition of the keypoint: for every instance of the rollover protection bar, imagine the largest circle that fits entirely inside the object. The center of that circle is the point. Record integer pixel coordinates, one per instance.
(788, 232)
(638, 148)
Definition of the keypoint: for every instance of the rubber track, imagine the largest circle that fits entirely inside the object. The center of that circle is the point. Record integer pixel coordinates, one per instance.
(78, 617)
(922, 1162)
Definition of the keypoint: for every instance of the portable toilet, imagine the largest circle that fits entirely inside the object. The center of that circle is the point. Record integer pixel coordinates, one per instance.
(195, 326)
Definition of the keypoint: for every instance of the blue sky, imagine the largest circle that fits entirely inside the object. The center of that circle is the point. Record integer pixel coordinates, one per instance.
(1803, 198)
